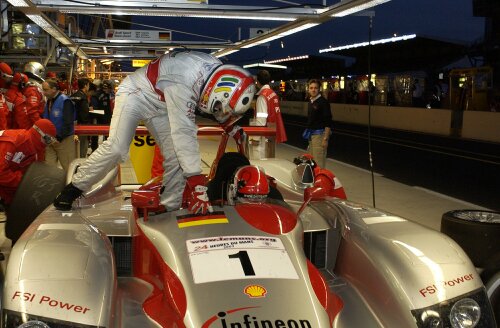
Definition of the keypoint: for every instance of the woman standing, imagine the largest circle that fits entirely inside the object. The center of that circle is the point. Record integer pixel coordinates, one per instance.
(318, 124)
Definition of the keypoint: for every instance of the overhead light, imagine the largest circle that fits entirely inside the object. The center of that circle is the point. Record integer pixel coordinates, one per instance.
(359, 7)
(225, 52)
(286, 59)
(264, 65)
(160, 13)
(280, 35)
(364, 44)
(18, 3)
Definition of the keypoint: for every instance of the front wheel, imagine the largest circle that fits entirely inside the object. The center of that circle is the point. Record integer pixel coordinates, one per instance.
(476, 231)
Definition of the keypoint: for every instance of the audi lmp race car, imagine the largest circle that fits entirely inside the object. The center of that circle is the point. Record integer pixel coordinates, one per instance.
(298, 258)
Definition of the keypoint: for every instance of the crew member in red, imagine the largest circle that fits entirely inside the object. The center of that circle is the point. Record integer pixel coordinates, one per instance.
(323, 178)
(5, 76)
(4, 113)
(267, 113)
(33, 91)
(18, 149)
(16, 101)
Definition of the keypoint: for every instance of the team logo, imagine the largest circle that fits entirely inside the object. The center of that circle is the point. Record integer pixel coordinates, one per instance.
(255, 291)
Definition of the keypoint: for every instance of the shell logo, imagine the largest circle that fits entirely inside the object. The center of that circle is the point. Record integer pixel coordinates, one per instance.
(255, 291)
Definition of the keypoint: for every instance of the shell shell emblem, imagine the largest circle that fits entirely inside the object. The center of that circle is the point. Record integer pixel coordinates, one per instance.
(255, 291)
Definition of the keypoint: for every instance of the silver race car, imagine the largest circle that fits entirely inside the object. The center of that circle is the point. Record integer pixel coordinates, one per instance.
(279, 250)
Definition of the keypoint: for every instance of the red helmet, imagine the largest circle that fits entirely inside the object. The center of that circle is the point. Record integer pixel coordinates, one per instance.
(51, 75)
(46, 129)
(228, 91)
(249, 184)
(5, 71)
(19, 79)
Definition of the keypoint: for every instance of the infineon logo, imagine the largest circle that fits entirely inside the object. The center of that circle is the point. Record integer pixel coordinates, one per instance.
(221, 320)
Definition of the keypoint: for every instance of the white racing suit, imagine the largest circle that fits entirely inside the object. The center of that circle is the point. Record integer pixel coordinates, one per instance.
(163, 95)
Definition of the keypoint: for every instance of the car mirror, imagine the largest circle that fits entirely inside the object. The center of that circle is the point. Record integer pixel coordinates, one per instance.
(315, 193)
(145, 199)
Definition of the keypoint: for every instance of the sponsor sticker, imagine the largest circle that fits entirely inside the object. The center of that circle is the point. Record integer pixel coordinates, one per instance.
(240, 317)
(239, 257)
(442, 285)
(48, 301)
(255, 291)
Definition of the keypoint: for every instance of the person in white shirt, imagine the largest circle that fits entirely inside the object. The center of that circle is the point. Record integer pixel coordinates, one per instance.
(164, 95)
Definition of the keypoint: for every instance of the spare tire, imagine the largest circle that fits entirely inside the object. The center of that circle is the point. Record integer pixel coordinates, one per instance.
(39, 187)
(476, 231)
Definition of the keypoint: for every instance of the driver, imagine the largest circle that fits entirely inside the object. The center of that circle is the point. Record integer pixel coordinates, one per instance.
(249, 185)
(18, 149)
(164, 95)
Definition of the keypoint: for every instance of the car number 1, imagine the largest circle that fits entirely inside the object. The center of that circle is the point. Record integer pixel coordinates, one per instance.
(239, 257)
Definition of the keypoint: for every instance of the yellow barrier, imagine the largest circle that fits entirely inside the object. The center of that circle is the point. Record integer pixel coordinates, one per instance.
(141, 156)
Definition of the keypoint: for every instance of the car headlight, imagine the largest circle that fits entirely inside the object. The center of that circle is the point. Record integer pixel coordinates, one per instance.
(34, 324)
(465, 313)
(14, 319)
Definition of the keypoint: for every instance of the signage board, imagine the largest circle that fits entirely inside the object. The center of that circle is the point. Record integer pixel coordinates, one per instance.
(139, 35)
(140, 62)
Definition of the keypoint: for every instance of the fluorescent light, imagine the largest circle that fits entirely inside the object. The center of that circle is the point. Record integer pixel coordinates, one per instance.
(286, 59)
(280, 35)
(359, 7)
(161, 13)
(18, 3)
(364, 44)
(264, 65)
(225, 52)
(298, 29)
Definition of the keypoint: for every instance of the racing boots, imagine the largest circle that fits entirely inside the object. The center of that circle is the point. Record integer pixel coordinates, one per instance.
(66, 197)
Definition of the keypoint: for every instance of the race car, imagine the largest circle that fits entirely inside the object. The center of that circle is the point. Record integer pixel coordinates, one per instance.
(262, 259)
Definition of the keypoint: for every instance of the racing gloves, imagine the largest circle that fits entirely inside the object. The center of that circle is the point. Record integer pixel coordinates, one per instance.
(66, 197)
(198, 201)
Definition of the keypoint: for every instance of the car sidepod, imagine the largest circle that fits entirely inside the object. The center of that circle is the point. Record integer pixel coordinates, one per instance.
(61, 273)
(399, 273)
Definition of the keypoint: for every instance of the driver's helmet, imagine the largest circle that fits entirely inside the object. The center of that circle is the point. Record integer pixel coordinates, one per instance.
(228, 91)
(249, 185)
(35, 69)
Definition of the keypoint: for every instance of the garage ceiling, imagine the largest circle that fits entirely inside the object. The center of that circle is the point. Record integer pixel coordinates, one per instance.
(291, 17)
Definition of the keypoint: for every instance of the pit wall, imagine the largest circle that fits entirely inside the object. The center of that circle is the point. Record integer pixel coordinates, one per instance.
(484, 126)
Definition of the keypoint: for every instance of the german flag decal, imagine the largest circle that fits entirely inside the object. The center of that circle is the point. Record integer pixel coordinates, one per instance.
(191, 220)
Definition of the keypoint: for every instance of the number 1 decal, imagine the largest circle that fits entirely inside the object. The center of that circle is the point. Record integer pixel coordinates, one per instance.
(246, 264)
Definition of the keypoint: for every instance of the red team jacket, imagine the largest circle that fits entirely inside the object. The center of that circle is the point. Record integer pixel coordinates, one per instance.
(17, 152)
(274, 113)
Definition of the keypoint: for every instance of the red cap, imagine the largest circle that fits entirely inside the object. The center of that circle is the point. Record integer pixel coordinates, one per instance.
(50, 75)
(6, 70)
(46, 126)
(18, 78)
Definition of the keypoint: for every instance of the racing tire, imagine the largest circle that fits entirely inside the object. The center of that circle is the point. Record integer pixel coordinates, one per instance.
(476, 231)
(40, 185)
(491, 280)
